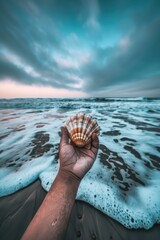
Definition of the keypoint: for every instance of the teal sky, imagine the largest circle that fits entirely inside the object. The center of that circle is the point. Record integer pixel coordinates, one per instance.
(59, 48)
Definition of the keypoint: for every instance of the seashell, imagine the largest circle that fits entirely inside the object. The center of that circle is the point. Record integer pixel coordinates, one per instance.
(80, 128)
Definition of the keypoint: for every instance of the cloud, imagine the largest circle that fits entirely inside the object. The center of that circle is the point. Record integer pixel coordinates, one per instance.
(18, 90)
(21, 36)
(93, 10)
(21, 73)
(145, 88)
(28, 39)
(134, 59)
(98, 47)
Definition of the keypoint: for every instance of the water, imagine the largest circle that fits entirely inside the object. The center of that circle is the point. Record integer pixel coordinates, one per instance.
(124, 181)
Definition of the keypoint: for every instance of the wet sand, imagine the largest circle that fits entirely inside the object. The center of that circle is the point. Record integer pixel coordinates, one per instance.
(85, 223)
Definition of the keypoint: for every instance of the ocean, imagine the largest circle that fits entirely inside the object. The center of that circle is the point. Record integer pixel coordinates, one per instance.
(123, 183)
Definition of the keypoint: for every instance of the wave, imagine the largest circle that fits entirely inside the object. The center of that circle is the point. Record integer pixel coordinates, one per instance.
(38, 103)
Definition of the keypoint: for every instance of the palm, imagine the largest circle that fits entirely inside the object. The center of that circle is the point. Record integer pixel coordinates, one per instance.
(77, 160)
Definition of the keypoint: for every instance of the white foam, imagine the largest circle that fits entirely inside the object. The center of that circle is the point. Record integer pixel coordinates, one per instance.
(123, 186)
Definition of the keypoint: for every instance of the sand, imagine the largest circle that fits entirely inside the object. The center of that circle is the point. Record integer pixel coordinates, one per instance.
(17, 210)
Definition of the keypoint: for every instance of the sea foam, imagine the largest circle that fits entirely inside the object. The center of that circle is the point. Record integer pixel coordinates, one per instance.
(124, 181)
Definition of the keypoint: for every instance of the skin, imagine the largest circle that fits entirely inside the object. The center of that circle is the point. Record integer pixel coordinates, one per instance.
(51, 220)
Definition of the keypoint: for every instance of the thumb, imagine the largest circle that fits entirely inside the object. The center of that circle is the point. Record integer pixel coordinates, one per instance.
(64, 137)
(95, 143)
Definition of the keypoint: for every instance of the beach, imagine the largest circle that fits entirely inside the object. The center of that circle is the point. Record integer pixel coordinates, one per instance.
(119, 196)
(86, 222)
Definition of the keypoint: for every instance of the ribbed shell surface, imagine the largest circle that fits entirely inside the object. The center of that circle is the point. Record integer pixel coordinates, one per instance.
(80, 128)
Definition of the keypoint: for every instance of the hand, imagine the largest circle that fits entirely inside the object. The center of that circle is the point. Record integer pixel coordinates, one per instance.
(77, 161)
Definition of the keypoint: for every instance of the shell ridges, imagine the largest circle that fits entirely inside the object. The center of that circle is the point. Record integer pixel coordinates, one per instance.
(81, 127)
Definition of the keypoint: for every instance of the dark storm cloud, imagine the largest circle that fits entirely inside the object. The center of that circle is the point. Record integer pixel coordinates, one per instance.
(133, 61)
(28, 34)
(45, 36)
(18, 74)
(22, 34)
(9, 70)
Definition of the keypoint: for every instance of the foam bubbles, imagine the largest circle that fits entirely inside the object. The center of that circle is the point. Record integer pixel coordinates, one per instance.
(124, 181)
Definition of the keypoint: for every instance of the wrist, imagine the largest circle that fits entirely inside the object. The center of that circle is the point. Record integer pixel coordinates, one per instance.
(68, 177)
(66, 183)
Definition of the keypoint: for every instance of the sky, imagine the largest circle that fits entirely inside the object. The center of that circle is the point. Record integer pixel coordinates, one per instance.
(79, 48)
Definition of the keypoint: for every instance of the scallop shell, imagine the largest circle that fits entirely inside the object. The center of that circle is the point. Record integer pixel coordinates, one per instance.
(80, 128)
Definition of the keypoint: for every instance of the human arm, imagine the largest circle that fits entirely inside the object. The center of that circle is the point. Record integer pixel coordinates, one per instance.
(51, 220)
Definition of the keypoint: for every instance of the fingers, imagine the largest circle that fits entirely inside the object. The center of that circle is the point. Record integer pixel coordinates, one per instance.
(64, 137)
(95, 143)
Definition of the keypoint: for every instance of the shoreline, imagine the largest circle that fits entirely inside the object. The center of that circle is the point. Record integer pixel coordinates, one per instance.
(18, 209)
